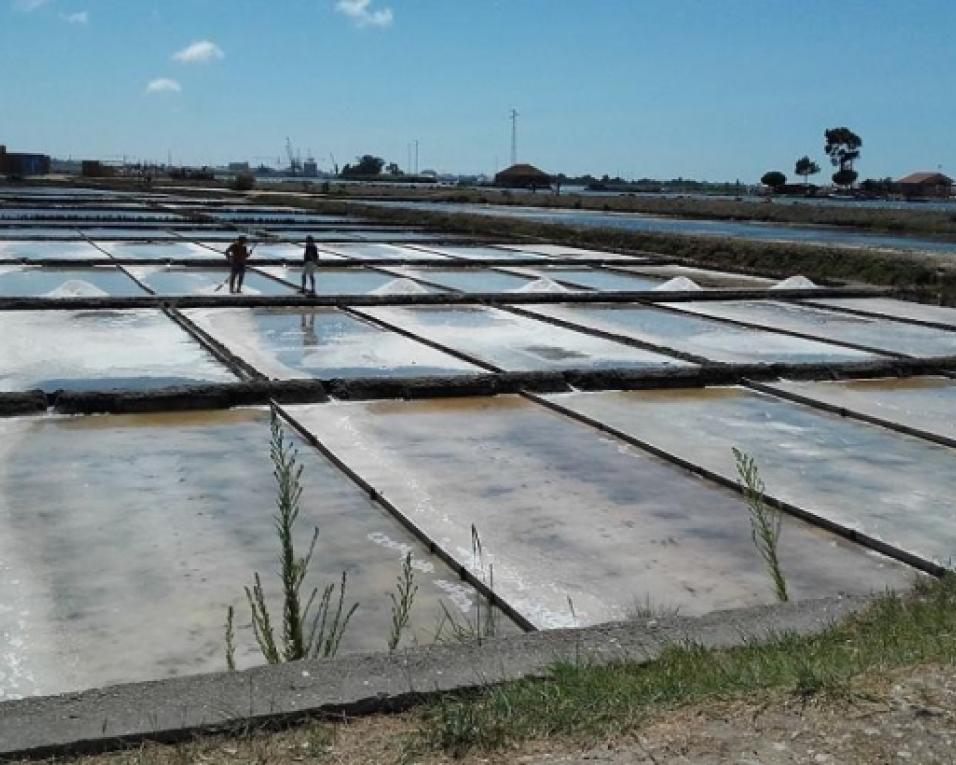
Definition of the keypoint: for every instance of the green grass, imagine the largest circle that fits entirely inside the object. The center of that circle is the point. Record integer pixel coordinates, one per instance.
(583, 702)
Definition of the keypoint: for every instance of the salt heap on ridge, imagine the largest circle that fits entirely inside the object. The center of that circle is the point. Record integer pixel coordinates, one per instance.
(795, 283)
(400, 287)
(678, 284)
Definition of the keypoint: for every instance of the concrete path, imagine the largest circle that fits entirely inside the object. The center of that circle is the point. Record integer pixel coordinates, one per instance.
(176, 709)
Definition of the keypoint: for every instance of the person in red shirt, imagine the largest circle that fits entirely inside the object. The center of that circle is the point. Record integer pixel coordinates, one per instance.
(237, 255)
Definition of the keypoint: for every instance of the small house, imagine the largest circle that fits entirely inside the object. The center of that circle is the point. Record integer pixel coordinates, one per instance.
(925, 185)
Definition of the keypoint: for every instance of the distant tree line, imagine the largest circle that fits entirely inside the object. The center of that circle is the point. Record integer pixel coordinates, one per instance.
(843, 149)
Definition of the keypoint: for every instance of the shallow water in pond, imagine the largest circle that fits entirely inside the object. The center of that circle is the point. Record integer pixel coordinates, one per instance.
(924, 403)
(111, 575)
(899, 309)
(156, 250)
(517, 343)
(465, 280)
(30, 281)
(337, 281)
(129, 232)
(896, 488)
(881, 334)
(75, 250)
(382, 252)
(290, 343)
(564, 512)
(203, 281)
(481, 253)
(687, 333)
(98, 350)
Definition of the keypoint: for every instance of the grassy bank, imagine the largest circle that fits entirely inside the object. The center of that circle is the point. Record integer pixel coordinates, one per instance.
(920, 276)
(578, 706)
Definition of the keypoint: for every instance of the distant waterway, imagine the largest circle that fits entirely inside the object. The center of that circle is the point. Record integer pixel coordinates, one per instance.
(754, 231)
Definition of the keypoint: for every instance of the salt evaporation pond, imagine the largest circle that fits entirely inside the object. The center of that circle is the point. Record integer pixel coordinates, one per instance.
(293, 343)
(284, 251)
(686, 333)
(203, 281)
(871, 332)
(517, 343)
(924, 403)
(156, 250)
(34, 232)
(27, 250)
(563, 251)
(337, 281)
(465, 280)
(897, 309)
(565, 512)
(31, 281)
(705, 277)
(113, 575)
(593, 278)
(895, 488)
(98, 350)
(127, 232)
(481, 253)
(382, 252)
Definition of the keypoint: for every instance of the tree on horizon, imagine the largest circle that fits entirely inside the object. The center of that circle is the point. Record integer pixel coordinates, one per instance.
(843, 148)
(806, 167)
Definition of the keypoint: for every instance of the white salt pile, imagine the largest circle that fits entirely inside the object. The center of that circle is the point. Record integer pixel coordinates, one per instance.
(678, 284)
(400, 287)
(76, 288)
(541, 285)
(795, 283)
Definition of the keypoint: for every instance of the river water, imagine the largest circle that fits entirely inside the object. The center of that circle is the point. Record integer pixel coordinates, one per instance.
(763, 232)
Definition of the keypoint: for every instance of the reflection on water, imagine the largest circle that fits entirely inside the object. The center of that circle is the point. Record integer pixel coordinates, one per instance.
(289, 343)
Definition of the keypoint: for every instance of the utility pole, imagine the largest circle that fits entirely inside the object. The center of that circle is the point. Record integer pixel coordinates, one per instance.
(416, 156)
(408, 165)
(514, 136)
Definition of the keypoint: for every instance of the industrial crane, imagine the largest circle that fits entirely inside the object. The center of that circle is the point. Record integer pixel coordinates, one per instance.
(295, 162)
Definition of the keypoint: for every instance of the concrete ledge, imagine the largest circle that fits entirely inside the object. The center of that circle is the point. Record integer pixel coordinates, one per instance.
(304, 391)
(437, 298)
(30, 402)
(190, 397)
(176, 709)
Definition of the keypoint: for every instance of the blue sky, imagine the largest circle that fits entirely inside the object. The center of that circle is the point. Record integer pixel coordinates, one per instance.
(709, 89)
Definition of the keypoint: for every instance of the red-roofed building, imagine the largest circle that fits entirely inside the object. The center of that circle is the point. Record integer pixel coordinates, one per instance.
(925, 185)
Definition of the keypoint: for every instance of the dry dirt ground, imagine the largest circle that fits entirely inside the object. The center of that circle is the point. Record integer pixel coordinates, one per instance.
(907, 716)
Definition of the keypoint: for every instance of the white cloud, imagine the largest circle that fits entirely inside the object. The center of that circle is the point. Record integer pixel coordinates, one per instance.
(361, 12)
(81, 17)
(163, 85)
(199, 52)
(28, 5)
